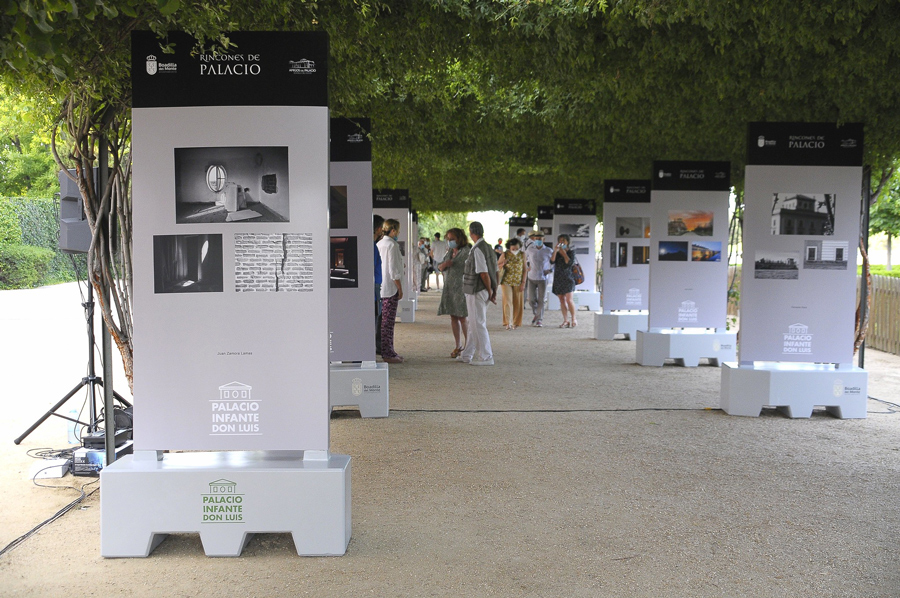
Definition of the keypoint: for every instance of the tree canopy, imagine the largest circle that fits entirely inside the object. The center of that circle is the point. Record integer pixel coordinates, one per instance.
(509, 104)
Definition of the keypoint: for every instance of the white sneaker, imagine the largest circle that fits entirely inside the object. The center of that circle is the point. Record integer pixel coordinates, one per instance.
(464, 359)
(485, 362)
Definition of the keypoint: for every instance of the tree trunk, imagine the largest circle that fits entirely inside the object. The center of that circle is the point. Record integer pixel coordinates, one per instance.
(888, 252)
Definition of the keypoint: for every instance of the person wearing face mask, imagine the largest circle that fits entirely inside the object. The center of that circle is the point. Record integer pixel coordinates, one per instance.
(512, 285)
(564, 279)
(538, 267)
(453, 301)
(438, 251)
(524, 241)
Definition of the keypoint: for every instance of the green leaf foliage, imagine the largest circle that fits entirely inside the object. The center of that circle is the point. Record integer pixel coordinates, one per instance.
(23, 266)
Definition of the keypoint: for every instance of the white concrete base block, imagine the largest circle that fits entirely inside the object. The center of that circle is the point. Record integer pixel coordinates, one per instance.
(794, 388)
(362, 385)
(685, 347)
(226, 497)
(607, 326)
(589, 300)
(406, 310)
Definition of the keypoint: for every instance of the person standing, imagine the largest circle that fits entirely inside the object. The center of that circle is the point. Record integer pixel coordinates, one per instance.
(377, 234)
(512, 285)
(422, 263)
(438, 251)
(480, 287)
(564, 279)
(391, 287)
(453, 300)
(538, 267)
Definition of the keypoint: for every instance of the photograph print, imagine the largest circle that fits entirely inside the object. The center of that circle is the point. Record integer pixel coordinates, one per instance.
(776, 265)
(690, 222)
(344, 263)
(575, 231)
(187, 264)
(803, 214)
(633, 228)
(622, 257)
(673, 251)
(640, 255)
(706, 251)
(613, 255)
(825, 255)
(231, 184)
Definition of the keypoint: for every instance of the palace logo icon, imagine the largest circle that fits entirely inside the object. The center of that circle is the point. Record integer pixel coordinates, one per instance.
(151, 65)
(301, 67)
(355, 138)
(356, 387)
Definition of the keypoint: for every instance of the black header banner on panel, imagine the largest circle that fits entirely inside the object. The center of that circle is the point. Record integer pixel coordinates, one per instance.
(350, 140)
(679, 175)
(390, 198)
(805, 144)
(522, 222)
(627, 191)
(577, 207)
(545, 213)
(263, 68)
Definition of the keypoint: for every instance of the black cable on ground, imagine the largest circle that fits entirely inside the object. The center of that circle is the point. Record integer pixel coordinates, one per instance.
(55, 516)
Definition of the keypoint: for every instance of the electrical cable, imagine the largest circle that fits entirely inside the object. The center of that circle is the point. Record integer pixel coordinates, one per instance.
(888, 403)
(82, 495)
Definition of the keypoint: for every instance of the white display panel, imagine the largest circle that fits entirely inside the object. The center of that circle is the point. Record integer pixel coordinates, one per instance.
(230, 254)
(394, 203)
(352, 279)
(577, 218)
(689, 245)
(626, 245)
(801, 231)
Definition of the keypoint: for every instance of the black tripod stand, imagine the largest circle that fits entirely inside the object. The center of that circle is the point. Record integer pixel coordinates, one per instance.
(92, 381)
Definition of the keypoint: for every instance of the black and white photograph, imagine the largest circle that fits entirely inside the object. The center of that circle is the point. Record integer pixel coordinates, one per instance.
(825, 255)
(777, 265)
(575, 231)
(337, 207)
(640, 255)
(633, 228)
(673, 251)
(622, 257)
(706, 251)
(231, 184)
(187, 264)
(803, 214)
(344, 263)
(273, 262)
(690, 222)
(613, 255)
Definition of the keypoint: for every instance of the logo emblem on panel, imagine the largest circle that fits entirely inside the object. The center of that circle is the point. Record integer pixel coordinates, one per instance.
(152, 65)
(356, 387)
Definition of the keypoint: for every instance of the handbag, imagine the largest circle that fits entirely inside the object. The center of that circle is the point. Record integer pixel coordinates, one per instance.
(577, 273)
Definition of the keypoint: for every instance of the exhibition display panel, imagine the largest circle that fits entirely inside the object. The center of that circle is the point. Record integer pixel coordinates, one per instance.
(360, 381)
(625, 259)
(802, 210)
(394, 203)
(688, 265)
(577, 218)
(231, 246)
(517, 222)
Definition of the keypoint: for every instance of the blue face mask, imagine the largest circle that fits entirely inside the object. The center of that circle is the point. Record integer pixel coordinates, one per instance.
(452, 244)
(538, 243)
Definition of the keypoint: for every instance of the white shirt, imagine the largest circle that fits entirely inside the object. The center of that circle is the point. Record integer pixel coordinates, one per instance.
(538, 261)
(391, 266)
(439, 249)
(480, 261)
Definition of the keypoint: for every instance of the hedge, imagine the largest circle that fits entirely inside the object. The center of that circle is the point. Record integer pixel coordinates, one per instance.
(23, 266)
(34, 222)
